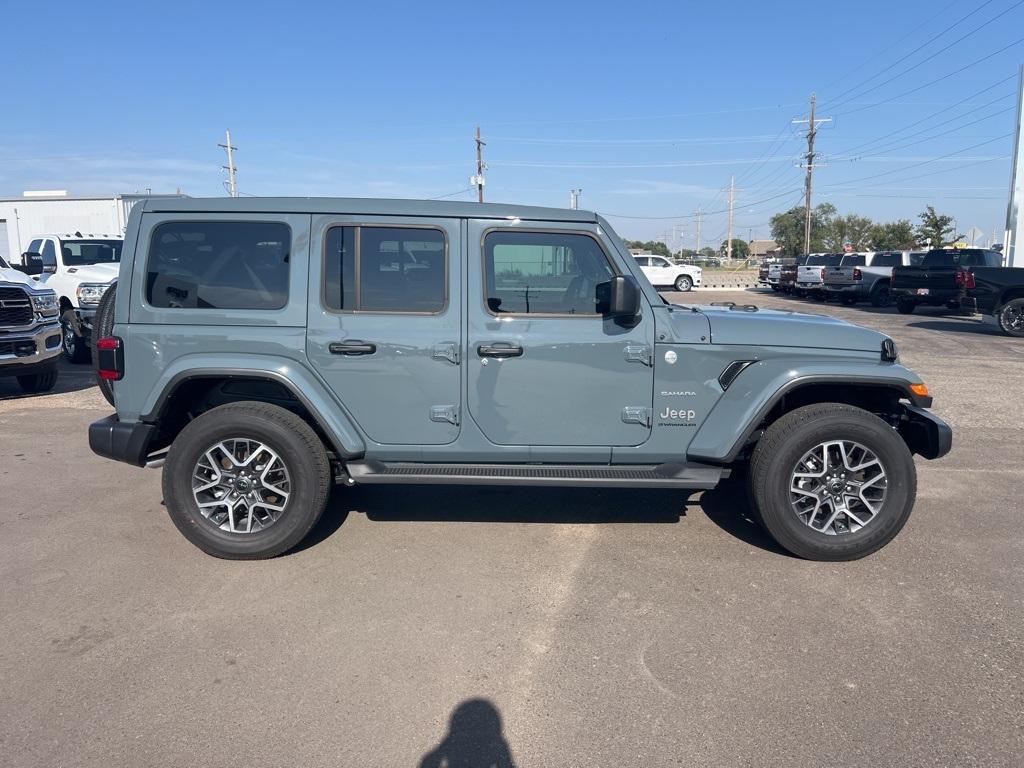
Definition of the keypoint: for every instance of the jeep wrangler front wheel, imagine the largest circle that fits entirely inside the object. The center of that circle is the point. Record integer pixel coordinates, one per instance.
(832, 482)
(246, 480)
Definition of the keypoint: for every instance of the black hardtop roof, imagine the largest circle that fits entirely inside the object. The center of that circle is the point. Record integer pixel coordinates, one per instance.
(361, 206)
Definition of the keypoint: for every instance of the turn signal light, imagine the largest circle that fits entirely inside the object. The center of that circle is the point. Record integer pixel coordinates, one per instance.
(919, 389)
(857, 274)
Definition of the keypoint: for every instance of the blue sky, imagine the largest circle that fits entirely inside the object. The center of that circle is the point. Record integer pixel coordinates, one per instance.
(648, 107)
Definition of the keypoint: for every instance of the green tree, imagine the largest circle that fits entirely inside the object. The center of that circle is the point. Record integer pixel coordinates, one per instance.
(935, 228)
(654, 246)
(893, 236)
(740, 248)
(707, 251)
(788, 228)
(850, 228)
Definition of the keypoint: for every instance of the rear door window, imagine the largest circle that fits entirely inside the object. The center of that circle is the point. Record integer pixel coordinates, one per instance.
(385, 269)
(218, 265)
(853, 260)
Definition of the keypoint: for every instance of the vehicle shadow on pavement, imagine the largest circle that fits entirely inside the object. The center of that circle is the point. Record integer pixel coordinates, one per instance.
(955, 325)
(474, 738)
(727, 507)
(516, 504)
(71, 378)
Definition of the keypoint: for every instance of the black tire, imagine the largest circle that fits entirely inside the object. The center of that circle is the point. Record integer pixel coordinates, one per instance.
(789, 439)
(1011, 318)
(906, 306)
(289, 437)
(820, 296)
(774, 288)
(880, 296)
(103, 325)
(75, 348)
(848, 301)
(684, 283)
(35, 383)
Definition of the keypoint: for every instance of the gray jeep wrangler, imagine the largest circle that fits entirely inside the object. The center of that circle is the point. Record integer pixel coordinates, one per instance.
(260, 350)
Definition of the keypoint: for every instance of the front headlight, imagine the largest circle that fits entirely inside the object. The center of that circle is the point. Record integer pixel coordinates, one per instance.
(45, 304)
(89, 294)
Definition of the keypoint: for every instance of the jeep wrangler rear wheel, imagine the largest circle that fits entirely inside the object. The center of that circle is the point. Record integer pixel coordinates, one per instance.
(246, 480)
(832, 482)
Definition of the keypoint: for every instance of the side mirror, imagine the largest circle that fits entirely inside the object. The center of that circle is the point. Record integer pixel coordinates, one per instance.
(31, 263)
(623, 297)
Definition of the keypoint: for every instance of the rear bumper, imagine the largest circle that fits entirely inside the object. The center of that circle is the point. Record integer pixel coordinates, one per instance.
(129, 442)
(856, 289)
(924, 433)
(934, 297)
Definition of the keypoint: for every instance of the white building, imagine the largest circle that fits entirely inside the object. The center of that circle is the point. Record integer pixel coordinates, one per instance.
(40, 213)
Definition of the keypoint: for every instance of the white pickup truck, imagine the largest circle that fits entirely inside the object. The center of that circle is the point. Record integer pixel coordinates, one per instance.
(661, 272)
(29, 333)
(867, 276)
(808, 276)
(79, 269)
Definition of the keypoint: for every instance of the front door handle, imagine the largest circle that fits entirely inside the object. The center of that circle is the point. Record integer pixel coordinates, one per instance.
(351, 348)
(499, 350)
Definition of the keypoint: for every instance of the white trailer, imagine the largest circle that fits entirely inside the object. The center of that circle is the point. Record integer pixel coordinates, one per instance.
(37, 213)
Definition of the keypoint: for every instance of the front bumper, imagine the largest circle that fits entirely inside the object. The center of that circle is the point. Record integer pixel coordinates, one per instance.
(925, 433)
(31, 350)
(129, 442)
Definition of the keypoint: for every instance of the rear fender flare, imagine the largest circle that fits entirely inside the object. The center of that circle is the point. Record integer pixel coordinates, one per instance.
(329, 414)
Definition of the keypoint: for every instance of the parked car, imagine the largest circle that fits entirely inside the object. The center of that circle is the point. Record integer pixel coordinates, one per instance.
(941, 279)
(808, 279)
(79, 269)
(782, 276)
(998, 294)
(774, 275)
(866, 276)
(762, 275)
(29, 331)
(662, 272)
(268, 347)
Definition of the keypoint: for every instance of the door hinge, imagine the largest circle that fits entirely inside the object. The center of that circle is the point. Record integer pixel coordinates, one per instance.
(637, 414)
(445, 413)
(639, 353)
(448, 350)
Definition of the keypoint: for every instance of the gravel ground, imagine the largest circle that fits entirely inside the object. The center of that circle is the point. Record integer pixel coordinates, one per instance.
(560, 627)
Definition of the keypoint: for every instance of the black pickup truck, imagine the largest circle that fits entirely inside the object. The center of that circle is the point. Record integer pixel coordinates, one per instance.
(998, 292)
(942, 279)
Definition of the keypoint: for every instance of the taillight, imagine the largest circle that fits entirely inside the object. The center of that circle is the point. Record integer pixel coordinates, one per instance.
(857, 274)
(110, 358)
(821, 273)
(969, 283)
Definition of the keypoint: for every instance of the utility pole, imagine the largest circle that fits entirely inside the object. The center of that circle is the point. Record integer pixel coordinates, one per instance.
(574, 198)
(812, 132)
(478, 180)
(732, 200)
(699, 213)
(230, 167)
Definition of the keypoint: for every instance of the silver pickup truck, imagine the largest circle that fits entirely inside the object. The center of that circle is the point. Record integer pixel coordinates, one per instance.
(809, 275)
(867, 276)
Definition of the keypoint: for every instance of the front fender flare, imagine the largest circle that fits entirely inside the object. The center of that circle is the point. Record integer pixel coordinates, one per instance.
(755, 391)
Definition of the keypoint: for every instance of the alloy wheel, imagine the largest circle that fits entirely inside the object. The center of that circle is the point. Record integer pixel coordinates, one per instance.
(838, 487)
(241, 485)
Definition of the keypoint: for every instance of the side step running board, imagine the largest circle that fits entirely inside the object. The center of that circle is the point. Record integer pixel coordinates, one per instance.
(694, 476)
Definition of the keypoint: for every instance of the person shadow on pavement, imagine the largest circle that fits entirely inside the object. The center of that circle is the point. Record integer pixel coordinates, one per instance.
(474, 739)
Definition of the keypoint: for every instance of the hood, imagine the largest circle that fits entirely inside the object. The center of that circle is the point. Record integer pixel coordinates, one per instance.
(18, 278)
(95, 273)
(775, 328)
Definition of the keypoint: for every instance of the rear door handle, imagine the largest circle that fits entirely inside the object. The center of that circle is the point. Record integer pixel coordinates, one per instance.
(351, 348)
(499, 350)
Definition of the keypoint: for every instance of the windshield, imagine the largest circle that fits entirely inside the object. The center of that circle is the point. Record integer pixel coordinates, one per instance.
(78, 253)
(853, 260)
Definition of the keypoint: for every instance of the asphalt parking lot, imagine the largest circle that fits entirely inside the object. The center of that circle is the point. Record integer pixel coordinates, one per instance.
(570, 627)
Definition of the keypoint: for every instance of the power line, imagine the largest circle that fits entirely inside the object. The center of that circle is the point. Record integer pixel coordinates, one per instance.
(691, 215)
(926, 162)
(936, 114)
(936, 80)
(923, 45)
(452, 194)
